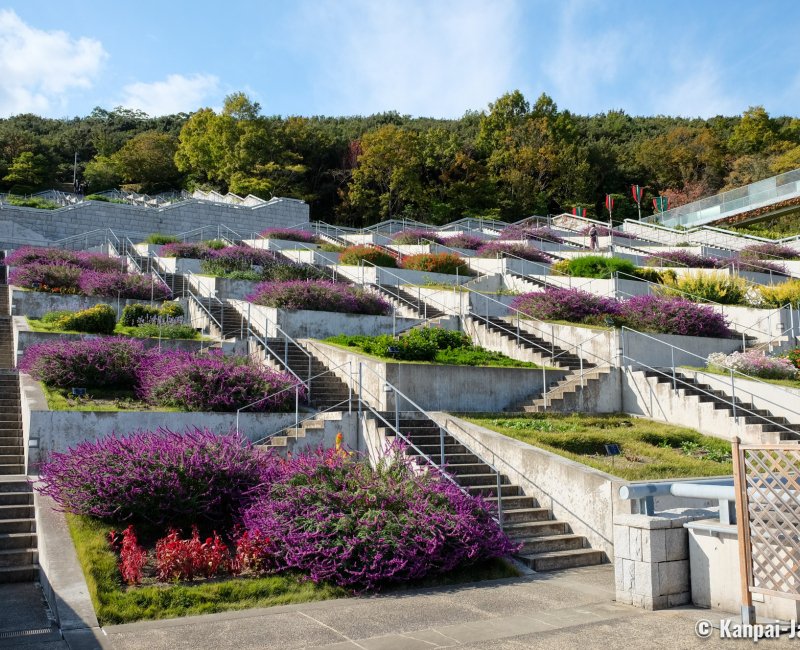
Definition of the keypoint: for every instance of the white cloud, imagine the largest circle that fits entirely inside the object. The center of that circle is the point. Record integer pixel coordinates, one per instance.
(695, 90)
(38, 69)
(422, 58)
(175, 94)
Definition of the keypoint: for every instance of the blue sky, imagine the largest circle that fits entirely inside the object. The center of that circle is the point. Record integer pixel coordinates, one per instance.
(433, 58)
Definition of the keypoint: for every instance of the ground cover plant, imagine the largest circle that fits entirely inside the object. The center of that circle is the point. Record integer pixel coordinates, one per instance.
(290, 234)
(318, 295)
(657, 314)
(236, 258)
(31, 202)
(161, 518)
(682, 259)
(159, 239)
(500, 248)
(200, 250)
(207, 381)
(448, 263)
(779, 295)
(718, 287)
(430, 344)
(355, 255)
(594, 266)
(650, 450)
(770, 251)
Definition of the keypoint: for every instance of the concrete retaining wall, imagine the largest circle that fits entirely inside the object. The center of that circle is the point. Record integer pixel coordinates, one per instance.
(440, 387)
(393, 277)
(36, 304)
(17, 223)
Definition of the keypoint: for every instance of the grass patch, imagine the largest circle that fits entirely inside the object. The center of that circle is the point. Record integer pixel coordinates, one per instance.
(97, 399)
(790, 383)
(650, 450)
(115, 603)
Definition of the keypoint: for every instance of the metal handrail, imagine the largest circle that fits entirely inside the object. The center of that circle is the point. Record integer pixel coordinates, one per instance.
(284, 362)
(676, 379)
(440, 467)
(313, 416)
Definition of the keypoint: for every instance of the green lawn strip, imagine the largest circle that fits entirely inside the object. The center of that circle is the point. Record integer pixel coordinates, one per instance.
(650, 450)
(791, 383)
(98, 399)
(473, 357)
(116, 603)
(36, 325)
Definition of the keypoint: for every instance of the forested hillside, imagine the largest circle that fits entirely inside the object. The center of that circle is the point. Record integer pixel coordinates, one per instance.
(513, 160)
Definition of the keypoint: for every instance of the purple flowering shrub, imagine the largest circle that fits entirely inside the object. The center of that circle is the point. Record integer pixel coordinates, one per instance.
(416, 236)
(770, 251)
(682, 258)
(318, 295)
(290, 234)
(40, 255)
(754, 363)
(498, 248)
(605, 231)
(158, 477)
(542, 233)
(124, 285)
(571, 305)
(672, 316)
(196, 250)
(663, 315)
(753, 265)
(237, 258)
(469, 242)
(93, 363)
(341, 521)
(213, 382)
(55, 277)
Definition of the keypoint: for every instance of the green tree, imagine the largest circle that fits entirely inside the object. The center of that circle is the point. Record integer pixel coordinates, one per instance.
(754, 133)
(102, 173)
(27, 172)
(147, 162)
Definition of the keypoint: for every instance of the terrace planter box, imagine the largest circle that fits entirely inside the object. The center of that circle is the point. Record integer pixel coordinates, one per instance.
(306, 323)
(37, 303)
(439, 387)
(222, 288)
(46, 431)
(392, 277)
(178, 264)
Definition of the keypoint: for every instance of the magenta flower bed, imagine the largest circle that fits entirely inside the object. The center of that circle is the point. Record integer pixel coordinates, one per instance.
(542, 233)
(159, 477)
(318, 295)
(107, 362)
(683, 259)
(192, 250)
(289, 234)
(770, 251)
(243, 257)
(55, 277)
(416, 236)
(124, 285)
(644, 313)
(39, 255)
(193, 382)
(344, 522)
(754, 266)
(498, 248)
(214, 382)
(469, 242)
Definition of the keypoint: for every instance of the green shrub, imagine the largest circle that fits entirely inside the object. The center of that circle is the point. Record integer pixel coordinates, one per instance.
(55, 316)
(719, 287)
(657, 277)
(216, 244)
(165, 331)
(100, 319)
(780, 294)
(138, 313)
(158, 238)
(331, 248)
(33, 202)
(354, 255)
(596, 266)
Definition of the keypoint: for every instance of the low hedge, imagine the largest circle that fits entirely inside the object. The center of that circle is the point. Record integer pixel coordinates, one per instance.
(354, 255)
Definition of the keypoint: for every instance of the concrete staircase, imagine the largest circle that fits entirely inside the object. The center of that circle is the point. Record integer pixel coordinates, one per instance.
(407, 302)
(547, 354)
(566, 395)
(231, 322)
(547, 544)
(327, 389)
(696, 393)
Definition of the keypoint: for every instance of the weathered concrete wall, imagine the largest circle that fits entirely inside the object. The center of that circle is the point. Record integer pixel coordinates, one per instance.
(181, 217)
(304, 323)
(37, 303)
(178, 264)
(441, 387)
(392, 277)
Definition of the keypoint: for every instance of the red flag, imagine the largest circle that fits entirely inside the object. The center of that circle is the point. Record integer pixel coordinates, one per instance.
(579, 212)
(636, 192)
(609, 202)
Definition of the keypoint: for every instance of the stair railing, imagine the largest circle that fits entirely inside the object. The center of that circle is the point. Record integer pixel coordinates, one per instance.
(441, 466)
(672, 373)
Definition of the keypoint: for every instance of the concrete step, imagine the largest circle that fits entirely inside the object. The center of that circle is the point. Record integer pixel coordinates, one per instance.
(468, 480)
(11, 459)
(513, 502)
(551, 543)
(467, 469)
(554, 560)
(16, 498)
(18, 483)
(538, 528)
(7, 470)
(16, 511)
(18, 557)
(19, 574)
(17, 540)
(17, 526)
(491, 490)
